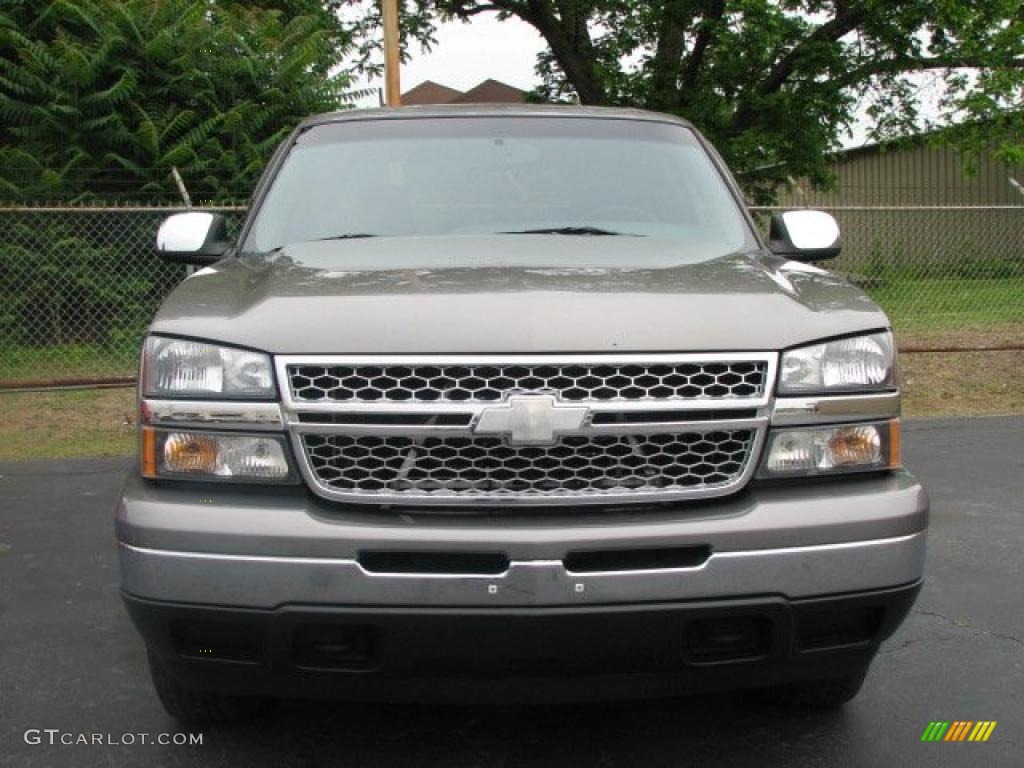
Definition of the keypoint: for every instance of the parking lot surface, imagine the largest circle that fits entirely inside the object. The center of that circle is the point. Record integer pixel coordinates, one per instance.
(70, 662)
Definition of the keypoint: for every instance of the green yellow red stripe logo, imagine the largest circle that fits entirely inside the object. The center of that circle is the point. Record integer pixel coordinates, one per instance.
(958, 730)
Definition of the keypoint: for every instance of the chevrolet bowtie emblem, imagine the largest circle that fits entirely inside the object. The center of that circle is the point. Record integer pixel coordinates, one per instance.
(531, 419)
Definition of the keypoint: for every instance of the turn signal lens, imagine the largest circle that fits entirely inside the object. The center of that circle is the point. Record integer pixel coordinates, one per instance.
(855, 445)
(827, 450)
(190, 452)
(212, 456)
(895, 453)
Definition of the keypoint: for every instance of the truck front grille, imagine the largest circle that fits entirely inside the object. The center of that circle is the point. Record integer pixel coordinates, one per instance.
(727, 379)
(578, 465)
(539, 430)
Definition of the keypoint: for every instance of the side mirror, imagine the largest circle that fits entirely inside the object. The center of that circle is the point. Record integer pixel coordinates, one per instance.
(193, 238)
(804, 235)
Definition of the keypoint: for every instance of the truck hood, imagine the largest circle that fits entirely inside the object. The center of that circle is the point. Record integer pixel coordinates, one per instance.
(330, 297)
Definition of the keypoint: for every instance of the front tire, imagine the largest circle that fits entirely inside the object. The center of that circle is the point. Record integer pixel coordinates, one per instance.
(194, 705)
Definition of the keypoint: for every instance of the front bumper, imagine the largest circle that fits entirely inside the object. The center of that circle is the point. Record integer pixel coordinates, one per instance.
(520, 654)
(271, 547)
(268, 582)
(271, 591)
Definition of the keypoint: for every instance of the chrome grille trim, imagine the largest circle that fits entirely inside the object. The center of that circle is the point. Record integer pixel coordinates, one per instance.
(746, 377)
(441, 470)
(756, 406)
(421, 431)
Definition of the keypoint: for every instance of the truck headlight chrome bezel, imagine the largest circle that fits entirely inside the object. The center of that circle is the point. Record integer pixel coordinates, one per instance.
(189, 427)
(187, 368)
(854, 364)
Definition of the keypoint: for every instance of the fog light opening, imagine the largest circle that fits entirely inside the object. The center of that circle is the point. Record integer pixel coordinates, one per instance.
(728, 639)
(830, 628)
(334, 646)
(216, 640)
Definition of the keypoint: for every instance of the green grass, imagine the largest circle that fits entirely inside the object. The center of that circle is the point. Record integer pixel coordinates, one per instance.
(962, 383)
(932, 306)
(46, 425)
(68, 362)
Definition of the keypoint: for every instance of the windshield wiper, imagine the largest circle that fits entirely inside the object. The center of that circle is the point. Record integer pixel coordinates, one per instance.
(570, 231)
(344, 236)
(278, 249)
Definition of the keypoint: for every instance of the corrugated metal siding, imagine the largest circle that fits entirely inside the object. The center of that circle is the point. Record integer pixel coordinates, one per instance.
(920, 175)
(912, 175)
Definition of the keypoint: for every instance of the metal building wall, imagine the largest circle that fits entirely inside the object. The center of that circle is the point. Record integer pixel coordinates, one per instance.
(932, 211)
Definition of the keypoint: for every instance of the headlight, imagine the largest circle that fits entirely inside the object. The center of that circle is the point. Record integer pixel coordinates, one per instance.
(212, 456)
(854, 364)
(175, 367)
(830, 450)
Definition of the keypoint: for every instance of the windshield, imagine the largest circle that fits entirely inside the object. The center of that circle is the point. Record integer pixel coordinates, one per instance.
(449, 176)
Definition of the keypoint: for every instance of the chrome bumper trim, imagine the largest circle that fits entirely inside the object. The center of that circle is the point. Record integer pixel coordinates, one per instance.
(267, 582)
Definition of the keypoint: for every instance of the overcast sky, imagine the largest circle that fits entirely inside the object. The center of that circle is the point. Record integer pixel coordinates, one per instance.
(466, 54)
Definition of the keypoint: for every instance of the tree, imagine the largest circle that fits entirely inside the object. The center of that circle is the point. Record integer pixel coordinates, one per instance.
(101, 98)
(775, 84)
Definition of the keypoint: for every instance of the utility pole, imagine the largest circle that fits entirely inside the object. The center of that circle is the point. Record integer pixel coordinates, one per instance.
(392, 60)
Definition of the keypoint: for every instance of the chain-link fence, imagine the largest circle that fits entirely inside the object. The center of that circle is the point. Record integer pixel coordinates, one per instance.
(950, 277)
(78, 286)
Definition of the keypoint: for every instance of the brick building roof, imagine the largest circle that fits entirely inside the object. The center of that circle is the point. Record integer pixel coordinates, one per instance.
(429, 92)
(490, 91)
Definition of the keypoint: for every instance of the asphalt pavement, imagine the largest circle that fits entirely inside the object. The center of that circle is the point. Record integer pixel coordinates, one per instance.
(73, 670)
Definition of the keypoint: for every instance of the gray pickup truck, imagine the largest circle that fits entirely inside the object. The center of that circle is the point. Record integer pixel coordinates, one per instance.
(512, 402)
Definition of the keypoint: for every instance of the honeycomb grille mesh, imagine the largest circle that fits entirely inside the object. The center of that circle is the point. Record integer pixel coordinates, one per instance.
(488, 383)
(576, 466)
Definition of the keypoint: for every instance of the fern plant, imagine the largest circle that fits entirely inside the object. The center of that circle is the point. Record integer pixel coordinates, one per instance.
(99, 99)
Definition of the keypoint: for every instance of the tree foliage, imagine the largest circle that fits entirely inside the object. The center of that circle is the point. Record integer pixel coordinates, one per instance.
(101, 98)
(776, 84)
